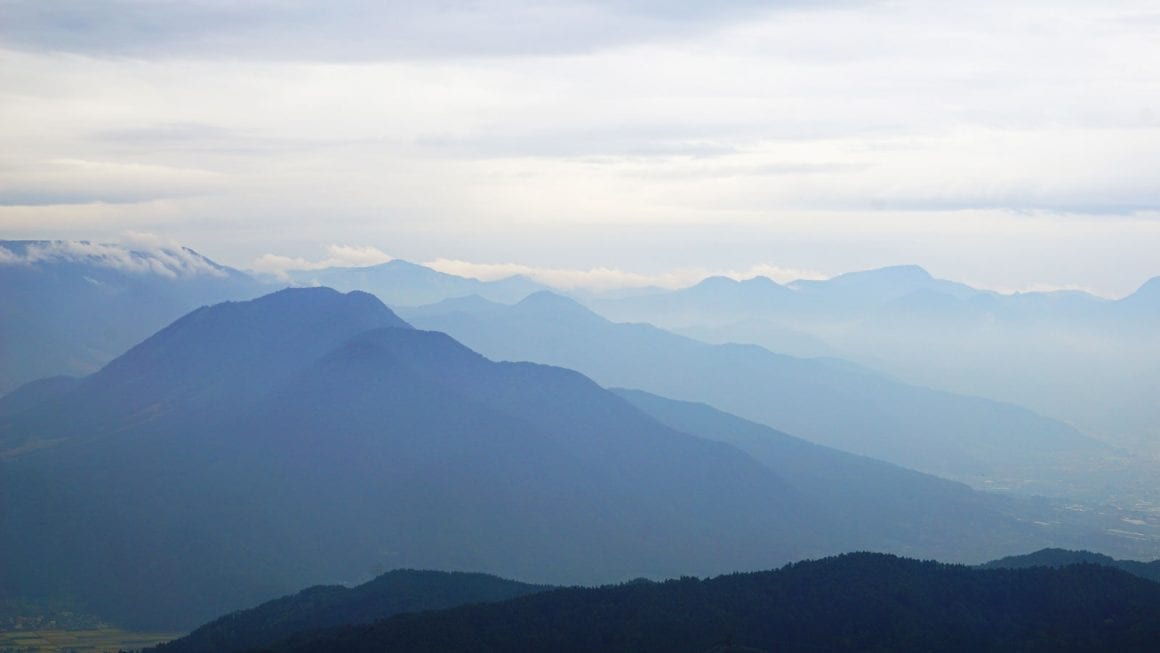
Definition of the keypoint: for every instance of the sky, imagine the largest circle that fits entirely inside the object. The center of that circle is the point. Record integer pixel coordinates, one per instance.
(1011, 145)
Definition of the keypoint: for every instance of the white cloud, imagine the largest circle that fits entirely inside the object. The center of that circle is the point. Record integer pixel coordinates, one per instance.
(354, 30)
(140, 253)
(82, 181)
(339, 256)
(823, 137)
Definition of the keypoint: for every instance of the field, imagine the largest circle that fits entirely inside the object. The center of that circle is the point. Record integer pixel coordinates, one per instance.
(103, 639)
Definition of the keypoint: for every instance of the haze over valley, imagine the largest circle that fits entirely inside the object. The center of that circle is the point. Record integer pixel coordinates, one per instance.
(247, 416)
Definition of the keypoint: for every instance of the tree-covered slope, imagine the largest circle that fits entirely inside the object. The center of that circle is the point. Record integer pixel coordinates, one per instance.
(326, 606)
(853, 602)
(1064, 557)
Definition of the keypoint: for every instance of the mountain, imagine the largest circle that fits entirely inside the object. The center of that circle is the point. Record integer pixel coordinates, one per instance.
(854, 602)
(890, 507)
(1068, 354)
(36, 392)
(327, 606)
(72, 306)
(1061, 558)
(870, 288)
(308, 437)
(399, 283)
(722, 301)
(205, 366)
(1145, 302)
(830, 402)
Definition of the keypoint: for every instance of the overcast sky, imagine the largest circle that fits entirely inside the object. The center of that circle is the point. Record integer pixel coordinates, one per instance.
(1010, 145)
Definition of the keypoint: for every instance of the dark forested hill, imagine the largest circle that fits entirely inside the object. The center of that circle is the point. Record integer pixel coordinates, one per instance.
(1063, 557)
(854, 602)
(327, 606)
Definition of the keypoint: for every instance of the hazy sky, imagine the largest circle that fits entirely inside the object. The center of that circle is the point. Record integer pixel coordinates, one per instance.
(1007, 144)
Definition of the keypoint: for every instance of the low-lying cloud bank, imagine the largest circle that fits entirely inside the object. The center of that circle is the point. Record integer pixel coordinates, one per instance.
(339, 256)
(601, 278)
(139, 253)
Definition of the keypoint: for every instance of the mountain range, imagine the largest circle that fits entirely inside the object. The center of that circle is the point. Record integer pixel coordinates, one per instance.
(400, 283)
(72, 306)
(309, 436)
(1084, 359)
(827, 401)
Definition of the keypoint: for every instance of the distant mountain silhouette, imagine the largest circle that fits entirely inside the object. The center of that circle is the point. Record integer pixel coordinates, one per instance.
(1062, 558)
(307, 437)
(1068, 354)
(252, 448)
(207, 363)
(1145, 302)
(826, 401)
(854, 602)
(400, 283)
(326, 606)
(871, 288)
(889, 507)
(72, 306)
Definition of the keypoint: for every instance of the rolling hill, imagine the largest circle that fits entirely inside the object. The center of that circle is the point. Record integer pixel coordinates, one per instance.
(853, 602)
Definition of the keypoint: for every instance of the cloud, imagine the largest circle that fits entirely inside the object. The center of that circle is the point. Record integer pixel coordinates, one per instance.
(355, 30)
(340, 256)
(81, 181)
(595, 138)
(140, 253)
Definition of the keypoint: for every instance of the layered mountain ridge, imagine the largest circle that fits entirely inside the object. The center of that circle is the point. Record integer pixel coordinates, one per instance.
(830, 402)
(309, 436)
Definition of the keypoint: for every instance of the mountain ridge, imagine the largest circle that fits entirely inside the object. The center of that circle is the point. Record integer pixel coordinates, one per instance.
(261, 475)
(857, 601)
(792, 394)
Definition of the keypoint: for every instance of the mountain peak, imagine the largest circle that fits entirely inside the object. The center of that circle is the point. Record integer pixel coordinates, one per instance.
(721, 284)
(322, 298)
(896, 273)
(762, 281)
(716, 281)
(548, 300)
(256, 340)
